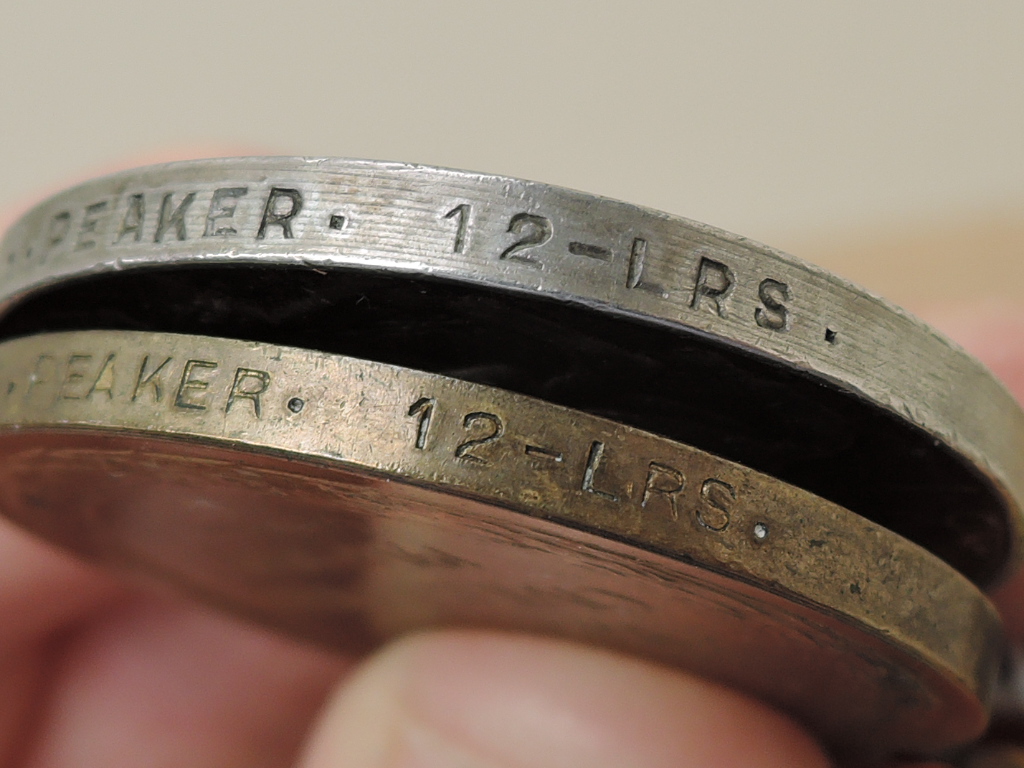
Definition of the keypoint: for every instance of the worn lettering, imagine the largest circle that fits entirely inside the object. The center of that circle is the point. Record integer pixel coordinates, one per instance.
(773, 314)
(713, 285)
(87, 231)
(191, 387)
(149, 379)
(38, 376)
(60, 225)
(175, 218)
(532, 231)
(74, 375)
(282, 206)
(424, 408)
(461, 214)
(590, 471)
(718, 497)
(104, 381)
(491, 422)
(663, 482)
(222, 210)
(598, 252)
(249, 384)
(134, 219)
(635, 274)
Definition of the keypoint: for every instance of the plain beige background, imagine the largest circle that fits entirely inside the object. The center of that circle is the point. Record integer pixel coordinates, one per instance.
(883, 140)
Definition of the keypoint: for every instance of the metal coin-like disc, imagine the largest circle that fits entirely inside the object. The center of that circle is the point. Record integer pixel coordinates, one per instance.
(653, 320)
(346, 501)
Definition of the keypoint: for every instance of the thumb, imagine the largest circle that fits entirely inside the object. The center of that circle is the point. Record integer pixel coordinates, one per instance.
(473, 699)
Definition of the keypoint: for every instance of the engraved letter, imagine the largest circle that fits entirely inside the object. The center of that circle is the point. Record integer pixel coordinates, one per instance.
(460, 212)
(181, 399)
(146, 380)
(176, 219)
(462, 451)
(714, 284)
(274, 217)
(37, 377)
(60, 225)
(260, 381)
(593, 462)
(92, 218)
(773, 314)
(134, 218)
(75, 375)
(664, 480)
(105, 380)
(532, 231)
(424, 408)
(222, 206)
(718, 495)
(635, 275)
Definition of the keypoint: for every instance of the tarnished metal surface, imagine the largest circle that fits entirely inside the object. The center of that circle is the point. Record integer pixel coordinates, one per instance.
(346, 501)
(535, 239)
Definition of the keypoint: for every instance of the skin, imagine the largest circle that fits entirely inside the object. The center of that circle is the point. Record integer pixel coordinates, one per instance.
(93, 673)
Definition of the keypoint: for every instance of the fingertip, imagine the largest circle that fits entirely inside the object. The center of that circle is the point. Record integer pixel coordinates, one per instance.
(483, 699)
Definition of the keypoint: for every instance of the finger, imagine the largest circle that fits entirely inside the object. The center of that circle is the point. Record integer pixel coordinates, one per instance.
(463, 700)
(163, 683)
(42, 593)
(994, 333)
(43, 590)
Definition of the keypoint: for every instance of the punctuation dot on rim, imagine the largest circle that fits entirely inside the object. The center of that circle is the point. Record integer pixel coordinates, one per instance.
(760, 531)
(296, 404)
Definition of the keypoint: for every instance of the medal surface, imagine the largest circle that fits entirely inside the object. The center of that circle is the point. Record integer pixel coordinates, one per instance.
(349, 399)
(795, 371)
(347, 501)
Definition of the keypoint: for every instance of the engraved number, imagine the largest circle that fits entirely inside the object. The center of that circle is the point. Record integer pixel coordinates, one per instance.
(424, 408)
(532, 231)
(497, 430)
(461, 213)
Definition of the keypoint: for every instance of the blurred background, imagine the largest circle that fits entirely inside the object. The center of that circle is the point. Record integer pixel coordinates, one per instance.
(882, 140)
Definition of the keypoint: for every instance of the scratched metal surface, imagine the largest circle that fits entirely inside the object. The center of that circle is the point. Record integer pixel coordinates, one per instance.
(534, 238)
(347, 501)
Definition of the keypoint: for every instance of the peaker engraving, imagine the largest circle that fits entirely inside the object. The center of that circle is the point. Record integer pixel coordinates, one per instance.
(190, 383)
(249, 384)
(283, 205)
(150, 379)
(222, 209)
(60, 226)
(175, 218)
(134, 219)
(104, 381)
(37, 377)
(87, 230)
(74, 375)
